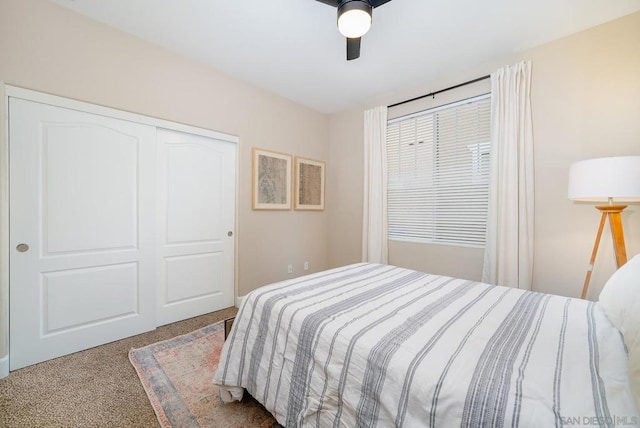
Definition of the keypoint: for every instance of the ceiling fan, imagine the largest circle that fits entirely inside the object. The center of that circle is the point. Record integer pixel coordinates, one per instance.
(354, 20)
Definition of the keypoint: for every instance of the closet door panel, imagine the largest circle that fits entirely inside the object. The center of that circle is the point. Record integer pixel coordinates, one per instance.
(197, 196)
(82, 226)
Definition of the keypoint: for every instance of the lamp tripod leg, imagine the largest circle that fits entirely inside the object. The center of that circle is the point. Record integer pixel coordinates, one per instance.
(615, 221)
(593, 256)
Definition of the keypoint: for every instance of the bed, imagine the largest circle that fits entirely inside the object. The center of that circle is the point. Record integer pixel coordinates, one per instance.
(377, 345)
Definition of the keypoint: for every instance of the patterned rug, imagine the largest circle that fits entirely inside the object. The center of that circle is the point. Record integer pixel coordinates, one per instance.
(176, 375)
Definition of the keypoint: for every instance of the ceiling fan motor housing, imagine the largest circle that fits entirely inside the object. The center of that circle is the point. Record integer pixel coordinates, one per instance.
(348, 5)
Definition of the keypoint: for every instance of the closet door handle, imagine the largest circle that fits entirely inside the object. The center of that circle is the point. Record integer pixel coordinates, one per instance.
(229, 233)
(22, 248)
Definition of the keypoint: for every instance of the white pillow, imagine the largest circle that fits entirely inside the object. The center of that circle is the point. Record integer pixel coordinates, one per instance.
(620, 300)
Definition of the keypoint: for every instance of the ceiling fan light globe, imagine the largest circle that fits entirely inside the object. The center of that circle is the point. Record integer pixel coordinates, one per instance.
(355, 21)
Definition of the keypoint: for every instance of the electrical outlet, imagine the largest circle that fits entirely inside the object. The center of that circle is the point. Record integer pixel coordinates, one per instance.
(289, 268)
(306, 265)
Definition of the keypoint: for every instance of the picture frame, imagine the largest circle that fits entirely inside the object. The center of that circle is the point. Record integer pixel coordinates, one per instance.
(271, 180)
(310, 184)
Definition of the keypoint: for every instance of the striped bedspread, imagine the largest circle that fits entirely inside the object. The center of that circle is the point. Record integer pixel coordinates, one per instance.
(375, 345)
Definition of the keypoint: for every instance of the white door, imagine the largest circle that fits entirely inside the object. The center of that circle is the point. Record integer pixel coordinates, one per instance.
(196, 182)
(82, 226)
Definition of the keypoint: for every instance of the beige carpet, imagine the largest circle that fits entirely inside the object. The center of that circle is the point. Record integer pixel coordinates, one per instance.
(94, 388)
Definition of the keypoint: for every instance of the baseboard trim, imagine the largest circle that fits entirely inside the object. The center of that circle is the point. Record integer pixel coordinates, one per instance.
(239, 300)
(4, 366)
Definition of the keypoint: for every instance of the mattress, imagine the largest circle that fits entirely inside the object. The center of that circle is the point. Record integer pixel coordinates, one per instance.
(376, 345)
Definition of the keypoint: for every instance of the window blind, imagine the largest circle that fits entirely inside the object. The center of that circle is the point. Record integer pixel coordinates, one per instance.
(438, 174)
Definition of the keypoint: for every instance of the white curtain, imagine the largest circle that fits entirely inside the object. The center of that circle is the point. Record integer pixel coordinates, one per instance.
(374, 218)
(508, 258)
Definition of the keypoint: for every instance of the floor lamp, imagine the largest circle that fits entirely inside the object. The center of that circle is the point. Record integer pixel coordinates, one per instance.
(611, 181)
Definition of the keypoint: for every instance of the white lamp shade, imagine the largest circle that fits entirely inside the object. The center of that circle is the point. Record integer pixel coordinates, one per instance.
(597, 180)
(354, 23)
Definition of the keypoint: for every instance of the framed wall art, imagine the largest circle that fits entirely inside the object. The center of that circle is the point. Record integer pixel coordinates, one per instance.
(309, 179)
(271, 179)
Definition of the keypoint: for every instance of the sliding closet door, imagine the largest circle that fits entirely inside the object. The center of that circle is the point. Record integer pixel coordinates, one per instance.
(82, 226)
(197, 182)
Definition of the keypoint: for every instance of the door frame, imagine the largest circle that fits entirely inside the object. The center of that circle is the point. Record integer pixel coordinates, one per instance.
(9, 91)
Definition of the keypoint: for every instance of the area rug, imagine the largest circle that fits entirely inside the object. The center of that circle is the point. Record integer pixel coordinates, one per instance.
(177, 377)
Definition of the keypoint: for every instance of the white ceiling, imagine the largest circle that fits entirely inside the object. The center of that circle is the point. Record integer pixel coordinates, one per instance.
(293, 47)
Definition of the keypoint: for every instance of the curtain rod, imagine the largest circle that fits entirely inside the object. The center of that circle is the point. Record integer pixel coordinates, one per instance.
(433, 94)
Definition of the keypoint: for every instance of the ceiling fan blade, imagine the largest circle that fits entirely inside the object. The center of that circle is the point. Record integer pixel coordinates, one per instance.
(376, 3)
(353, 48)
(333, 3)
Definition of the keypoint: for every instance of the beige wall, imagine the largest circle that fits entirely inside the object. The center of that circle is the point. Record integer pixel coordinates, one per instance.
(586, 104)
(50, 49)
(344, 188)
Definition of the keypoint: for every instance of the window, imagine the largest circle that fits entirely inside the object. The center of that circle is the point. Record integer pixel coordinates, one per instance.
(438, 174)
